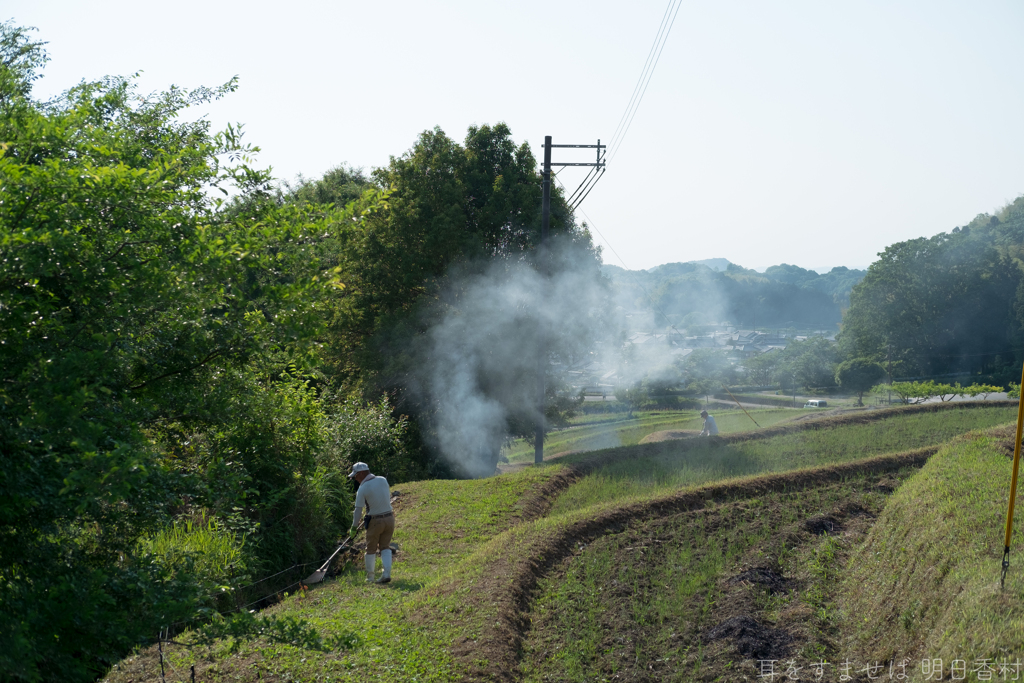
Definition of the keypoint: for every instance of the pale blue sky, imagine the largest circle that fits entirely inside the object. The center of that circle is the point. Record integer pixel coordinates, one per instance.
(811, 133)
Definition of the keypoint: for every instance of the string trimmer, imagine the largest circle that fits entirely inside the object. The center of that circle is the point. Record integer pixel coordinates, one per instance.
(319, 574)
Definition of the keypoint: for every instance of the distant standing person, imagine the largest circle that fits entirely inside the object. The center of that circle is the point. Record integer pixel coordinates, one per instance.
(710, 428)
(374, 493)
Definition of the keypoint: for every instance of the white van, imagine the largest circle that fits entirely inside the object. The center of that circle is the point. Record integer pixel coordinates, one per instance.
(814, 403)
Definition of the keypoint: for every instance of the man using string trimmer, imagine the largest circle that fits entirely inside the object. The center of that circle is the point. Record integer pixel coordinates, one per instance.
(376, 495)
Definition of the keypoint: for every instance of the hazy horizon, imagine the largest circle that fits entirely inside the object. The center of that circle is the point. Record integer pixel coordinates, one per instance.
(762, 269)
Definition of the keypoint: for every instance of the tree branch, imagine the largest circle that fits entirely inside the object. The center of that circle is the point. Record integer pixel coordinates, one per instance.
(211, 356)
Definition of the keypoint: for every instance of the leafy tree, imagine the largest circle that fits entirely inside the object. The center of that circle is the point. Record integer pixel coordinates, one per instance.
(936, 305)
(919, 392)
(942, 391)
(339, 186)
(705, 371)
(635, 396)
(982, 390)
(761, 369)
(810, 363)
(457, 218)
(859, 375)
(154, 356)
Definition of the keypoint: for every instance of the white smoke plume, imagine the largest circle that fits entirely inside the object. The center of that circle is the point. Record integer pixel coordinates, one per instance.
(476, 369)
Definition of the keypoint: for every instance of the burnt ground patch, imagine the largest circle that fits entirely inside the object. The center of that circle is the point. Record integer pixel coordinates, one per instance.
(751, 638)
(763, 577)
(822, 524)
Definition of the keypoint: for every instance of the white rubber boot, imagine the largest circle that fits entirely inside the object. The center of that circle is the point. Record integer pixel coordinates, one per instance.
(385, 557)
(371, 565)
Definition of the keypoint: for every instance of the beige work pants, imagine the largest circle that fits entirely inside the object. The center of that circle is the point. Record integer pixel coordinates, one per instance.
(379, 533)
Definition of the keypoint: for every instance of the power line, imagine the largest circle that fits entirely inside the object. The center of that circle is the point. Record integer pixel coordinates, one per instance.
(655, 306)
(634, 103)
(587, 191)
(643, 72)
(636, 88)
(668, 19)
(576, 192)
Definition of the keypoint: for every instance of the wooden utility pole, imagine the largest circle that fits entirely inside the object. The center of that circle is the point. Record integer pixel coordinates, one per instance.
(545, 223)
(888, 360)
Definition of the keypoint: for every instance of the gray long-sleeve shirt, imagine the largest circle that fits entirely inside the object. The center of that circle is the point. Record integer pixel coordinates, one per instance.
(375, 491)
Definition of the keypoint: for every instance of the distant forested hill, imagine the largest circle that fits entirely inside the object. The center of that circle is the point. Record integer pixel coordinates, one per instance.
(716, 290)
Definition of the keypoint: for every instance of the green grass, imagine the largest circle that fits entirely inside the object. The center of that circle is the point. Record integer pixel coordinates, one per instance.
(634, 604)
(215, 553)
(926, 582)
(440, 523)
(616, 431)
(801, 398)
(459, 538)
(665, 466)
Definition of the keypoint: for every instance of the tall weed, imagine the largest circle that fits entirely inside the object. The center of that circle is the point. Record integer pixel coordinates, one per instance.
(212, 553)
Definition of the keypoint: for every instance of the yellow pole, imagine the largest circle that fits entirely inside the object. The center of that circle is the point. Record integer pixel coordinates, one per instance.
(741, 406)
(1013, 484)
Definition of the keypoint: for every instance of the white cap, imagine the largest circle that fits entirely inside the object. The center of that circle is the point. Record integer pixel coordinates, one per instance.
(359, 467)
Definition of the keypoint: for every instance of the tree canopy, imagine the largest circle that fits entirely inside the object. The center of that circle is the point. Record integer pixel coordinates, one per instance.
(783, 295)
(945, 304)
(155, 357)
(859, 375)
(455, 255)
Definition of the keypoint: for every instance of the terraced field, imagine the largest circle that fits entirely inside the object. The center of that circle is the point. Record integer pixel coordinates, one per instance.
(601, 432)
(653, 469)
(500, 579)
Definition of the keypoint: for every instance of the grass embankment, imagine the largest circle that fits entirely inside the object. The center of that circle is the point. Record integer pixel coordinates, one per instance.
(653, 469)
(593, 433)
(925, 584)
(703, 594)
(439, 523)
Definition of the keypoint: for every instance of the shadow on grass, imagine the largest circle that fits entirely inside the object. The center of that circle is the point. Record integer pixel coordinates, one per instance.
(404, 585)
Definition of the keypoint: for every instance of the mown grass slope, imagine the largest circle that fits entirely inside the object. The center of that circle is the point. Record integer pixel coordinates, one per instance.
(399, 632)
(925, 584)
